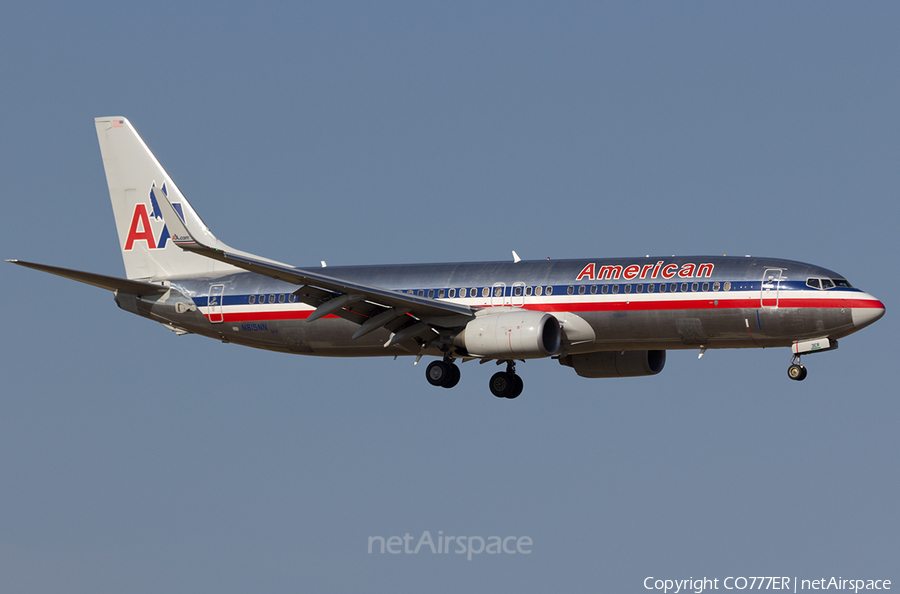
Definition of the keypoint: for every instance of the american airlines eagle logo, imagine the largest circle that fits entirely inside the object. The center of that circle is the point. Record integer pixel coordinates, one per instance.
(141, 228)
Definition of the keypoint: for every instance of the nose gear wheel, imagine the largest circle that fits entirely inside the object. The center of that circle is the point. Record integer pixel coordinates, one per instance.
(796, 371)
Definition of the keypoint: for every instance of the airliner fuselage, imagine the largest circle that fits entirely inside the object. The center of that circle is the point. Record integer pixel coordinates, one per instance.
(725, 303)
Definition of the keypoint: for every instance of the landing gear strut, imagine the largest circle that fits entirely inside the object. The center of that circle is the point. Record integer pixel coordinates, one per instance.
(442, 373)
(796, 371)
(506, 384)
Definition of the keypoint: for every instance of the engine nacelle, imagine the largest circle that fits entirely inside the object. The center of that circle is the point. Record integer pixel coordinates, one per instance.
(511, 335)
(616, 363)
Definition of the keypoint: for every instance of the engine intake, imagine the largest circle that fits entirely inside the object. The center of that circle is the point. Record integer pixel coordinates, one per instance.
(616, 363)
(515, 335)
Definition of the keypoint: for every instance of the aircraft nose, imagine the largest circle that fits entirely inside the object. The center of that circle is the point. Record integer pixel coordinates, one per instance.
(867, 312)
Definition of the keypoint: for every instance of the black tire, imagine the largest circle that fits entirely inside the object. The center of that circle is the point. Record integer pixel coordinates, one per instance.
(796, 372)
(453, 378)
(437, 373)
(802, 374)
(518, 386)
(502, 384)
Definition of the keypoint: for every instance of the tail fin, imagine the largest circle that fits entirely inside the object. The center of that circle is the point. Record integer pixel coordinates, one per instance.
(131, 172)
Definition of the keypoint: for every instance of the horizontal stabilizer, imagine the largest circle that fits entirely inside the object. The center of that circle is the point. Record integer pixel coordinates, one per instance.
(110, 283)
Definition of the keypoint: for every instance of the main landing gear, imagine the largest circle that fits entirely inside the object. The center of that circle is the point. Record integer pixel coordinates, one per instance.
(506, 384)
(796, 371)
(442, 373)
(503, 384)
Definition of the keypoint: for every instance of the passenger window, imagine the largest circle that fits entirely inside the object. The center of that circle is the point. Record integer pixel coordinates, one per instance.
(498, 291)
(827, 284)
(727, 286)
(615, 289)
(485, 292)
(293, 298)
(593, 289)
(549, 290)
(517, 291)
(528, 291)
(705, 287)
(281, 298)
(538, 291)
(628, 288)
(441, 294)
(271, 298)
(570, 290)
(651, 287)
(605, 289)
(716, 286)
(252, 299)
(695, 287)
(683, 287)
(640, 288)
(421, 293)
(581, 290)
(662, 287)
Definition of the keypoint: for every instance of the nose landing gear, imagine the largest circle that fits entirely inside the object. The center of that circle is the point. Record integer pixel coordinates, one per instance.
(796, 371)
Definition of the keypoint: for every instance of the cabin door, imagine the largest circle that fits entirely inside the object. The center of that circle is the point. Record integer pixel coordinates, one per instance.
(498, 295)
(216, 294)
(768, 294)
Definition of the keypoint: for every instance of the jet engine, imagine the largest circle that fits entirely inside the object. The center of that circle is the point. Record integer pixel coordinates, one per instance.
(513, 335)
(616, 363)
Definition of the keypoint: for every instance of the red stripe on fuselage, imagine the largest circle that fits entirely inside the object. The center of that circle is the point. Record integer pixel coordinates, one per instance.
(600, 306)
(674, 304)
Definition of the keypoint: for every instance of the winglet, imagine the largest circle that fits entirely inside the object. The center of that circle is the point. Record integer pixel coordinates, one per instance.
(178, 230)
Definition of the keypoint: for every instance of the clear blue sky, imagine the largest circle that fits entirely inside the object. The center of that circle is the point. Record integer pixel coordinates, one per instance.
(133, 460)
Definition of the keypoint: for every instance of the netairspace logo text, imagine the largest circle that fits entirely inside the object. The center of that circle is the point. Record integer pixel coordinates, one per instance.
(461, 545)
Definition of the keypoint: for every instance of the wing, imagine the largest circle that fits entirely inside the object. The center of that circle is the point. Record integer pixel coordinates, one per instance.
(407, 316)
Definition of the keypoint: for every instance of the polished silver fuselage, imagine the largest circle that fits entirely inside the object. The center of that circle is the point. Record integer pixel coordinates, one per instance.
(603, 304)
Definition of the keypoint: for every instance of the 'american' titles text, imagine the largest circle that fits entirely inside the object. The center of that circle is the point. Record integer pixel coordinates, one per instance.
(652, 271)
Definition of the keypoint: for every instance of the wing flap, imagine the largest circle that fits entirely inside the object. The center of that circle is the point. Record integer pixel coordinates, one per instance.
(358, 312)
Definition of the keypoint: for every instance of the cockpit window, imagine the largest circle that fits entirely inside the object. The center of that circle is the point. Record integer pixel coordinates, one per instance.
(827, 283)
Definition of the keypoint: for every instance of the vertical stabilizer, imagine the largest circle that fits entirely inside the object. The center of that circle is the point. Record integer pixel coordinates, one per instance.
(131, 172)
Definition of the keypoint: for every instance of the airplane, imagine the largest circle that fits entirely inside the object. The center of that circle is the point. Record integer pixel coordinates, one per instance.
(603, 317)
